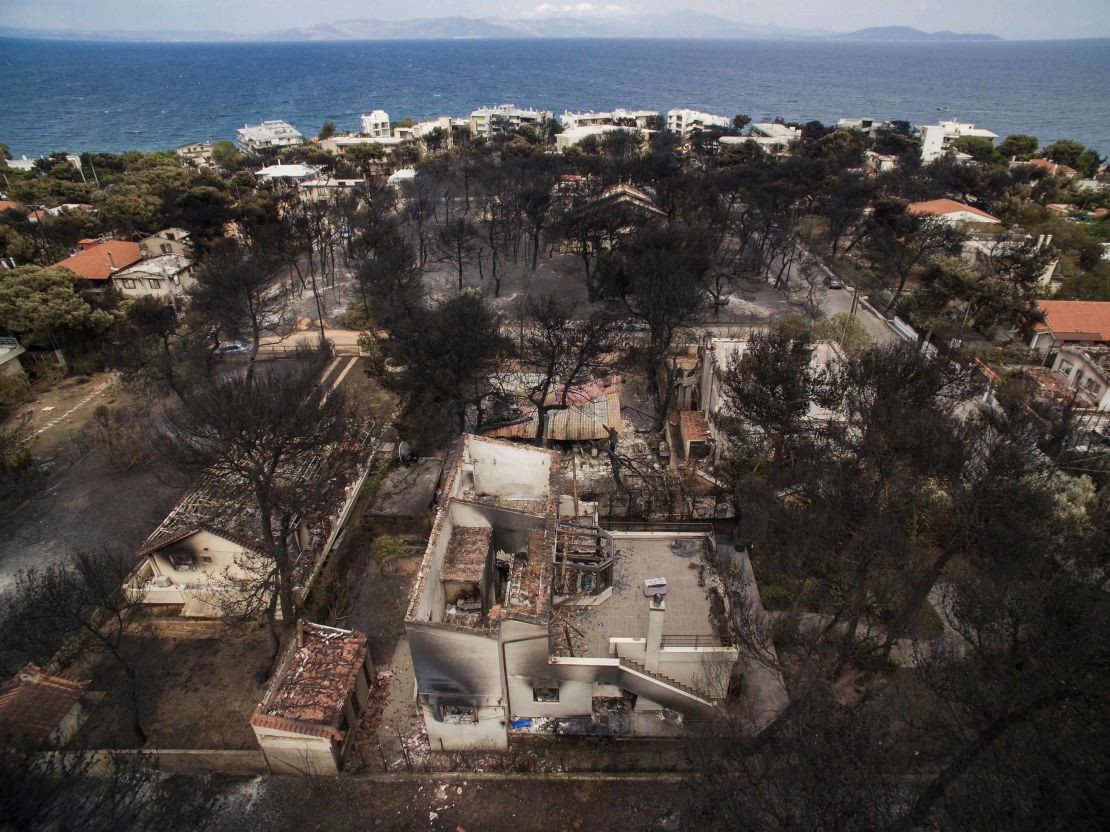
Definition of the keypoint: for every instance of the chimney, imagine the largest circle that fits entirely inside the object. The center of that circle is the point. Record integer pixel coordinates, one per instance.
(87, 243)
(300, 633)
(654, 646)
(111, 261)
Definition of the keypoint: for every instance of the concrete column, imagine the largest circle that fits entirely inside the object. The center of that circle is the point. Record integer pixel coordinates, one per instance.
(656, 609)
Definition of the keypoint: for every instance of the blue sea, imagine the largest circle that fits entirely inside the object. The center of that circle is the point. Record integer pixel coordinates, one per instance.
(78, 96)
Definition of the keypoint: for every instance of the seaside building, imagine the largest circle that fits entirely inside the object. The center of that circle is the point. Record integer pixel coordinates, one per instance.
(166, 276)
(627, 118)
(684, 122)
(866, 124)
(198, 152)
(275, 133)
(375, 124)
(293, 172)
(951, 212)
(488, 121)
(576, 135)
(773, 137)
(527, 615)
(938, 139)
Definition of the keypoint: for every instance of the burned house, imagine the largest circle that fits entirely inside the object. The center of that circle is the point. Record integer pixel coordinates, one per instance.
(527, 616)
(307, 720)
(210, 548)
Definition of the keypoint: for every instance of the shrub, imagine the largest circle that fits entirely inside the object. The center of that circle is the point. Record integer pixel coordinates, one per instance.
(14, 391)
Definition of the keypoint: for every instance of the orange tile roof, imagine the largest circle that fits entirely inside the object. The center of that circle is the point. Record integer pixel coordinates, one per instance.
(101, 261)
(33, 703)
(8, 205)
(317, 675)
(1053, 167)
(694, 426)
(1076, 320)
(940, 207)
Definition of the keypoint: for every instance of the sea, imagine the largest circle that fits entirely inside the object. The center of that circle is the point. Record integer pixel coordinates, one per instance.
(84, 96)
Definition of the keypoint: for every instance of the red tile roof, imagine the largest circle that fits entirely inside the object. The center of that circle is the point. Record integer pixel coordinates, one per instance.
(1053, 167)
(940, 207)
(694, 426)
(311, 688)
(1076, 320)
(33, 703)
(101, 261)
(8, 205)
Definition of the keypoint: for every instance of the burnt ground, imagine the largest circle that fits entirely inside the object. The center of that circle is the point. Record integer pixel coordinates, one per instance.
(452, 805)
(197, 686)
(87, 503)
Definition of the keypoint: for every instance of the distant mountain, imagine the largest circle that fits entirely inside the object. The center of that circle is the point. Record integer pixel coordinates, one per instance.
(424, 28)
(129, 35)
(908, 33)
(684, 24)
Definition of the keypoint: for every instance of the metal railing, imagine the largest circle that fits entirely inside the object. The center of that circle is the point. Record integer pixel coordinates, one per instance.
(693, 641)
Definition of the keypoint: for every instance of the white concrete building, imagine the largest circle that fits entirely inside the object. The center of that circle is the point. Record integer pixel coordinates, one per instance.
(621, 116)
(375, 124)
(340, 144)
(274, 133)
(510, 562)
(937, 139)
(1086, 370)
(717, 358)
(485, 120)
(576, 135)
(297, 172)
(167, 276)
(684, 122)
(866, 124)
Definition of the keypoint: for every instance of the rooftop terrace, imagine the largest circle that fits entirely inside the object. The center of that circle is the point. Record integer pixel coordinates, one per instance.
(625, 613)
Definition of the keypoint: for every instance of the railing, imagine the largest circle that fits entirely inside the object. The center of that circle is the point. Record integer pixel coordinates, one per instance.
(658, 526)
(7, 343)
(693, 641)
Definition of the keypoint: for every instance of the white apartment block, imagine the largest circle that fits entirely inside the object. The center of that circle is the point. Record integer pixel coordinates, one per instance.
(484, 121)
(619, 116)
(936, 139)
(772, 137)
(376, 124)
(274, 133)
(685, 122)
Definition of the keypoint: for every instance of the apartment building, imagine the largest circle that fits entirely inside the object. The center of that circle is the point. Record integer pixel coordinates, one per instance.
(274, 133)
(684, 122)
(938, 139)
(487, 121)
(375, 124)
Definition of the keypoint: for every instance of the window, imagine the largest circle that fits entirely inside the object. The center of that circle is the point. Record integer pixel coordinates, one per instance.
(1065, 368)
(545, 694)
(458, 714)
(205, 559)
(127, 283)
(155, 284)
(1093, 386)
(166, 248)
(183, 561)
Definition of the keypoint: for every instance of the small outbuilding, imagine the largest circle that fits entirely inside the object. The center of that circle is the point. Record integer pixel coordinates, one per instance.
(307, 720)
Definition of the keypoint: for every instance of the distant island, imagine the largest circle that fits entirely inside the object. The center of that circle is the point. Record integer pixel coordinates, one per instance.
(908, 33)
(682, 25)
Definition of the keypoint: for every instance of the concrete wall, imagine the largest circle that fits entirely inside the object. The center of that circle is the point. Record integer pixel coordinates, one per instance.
(458, 668)
(525, 651)
(702, 668)
(507, 470)
(290, 753)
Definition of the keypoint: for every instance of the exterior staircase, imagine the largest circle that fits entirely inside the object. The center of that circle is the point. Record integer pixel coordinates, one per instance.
(664, 680)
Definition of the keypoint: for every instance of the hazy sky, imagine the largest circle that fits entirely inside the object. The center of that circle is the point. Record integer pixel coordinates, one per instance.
(1008, 18)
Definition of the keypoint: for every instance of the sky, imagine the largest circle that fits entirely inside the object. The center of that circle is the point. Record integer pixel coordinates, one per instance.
(1025, 19)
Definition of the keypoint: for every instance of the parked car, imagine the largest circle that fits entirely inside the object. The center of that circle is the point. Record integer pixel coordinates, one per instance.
(231, 348)
(834, 282)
